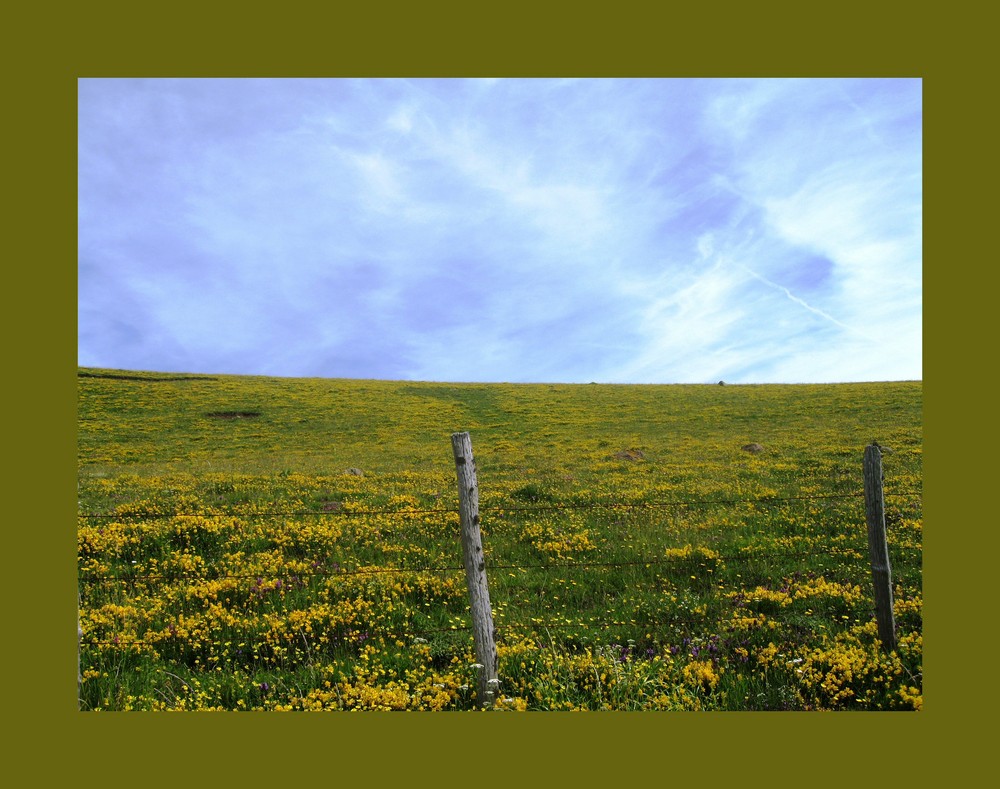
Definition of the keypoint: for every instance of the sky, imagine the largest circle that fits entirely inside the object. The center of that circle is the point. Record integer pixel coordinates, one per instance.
(519, 230)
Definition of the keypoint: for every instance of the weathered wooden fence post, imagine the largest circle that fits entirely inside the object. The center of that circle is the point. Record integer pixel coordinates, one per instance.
(79, 642)
(878, 548)
(475, 569)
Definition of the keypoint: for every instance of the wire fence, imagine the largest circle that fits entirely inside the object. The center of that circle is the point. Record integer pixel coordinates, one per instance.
(500, 512)
(297, 575)
(124, 514)
(533, 625)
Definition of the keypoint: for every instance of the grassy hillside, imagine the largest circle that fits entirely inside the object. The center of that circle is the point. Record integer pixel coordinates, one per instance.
(263, 543)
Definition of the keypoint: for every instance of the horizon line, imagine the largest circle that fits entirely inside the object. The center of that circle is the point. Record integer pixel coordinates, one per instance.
(193, 375)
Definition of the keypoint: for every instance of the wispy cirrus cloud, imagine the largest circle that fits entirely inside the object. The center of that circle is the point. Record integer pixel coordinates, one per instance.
(627, 230)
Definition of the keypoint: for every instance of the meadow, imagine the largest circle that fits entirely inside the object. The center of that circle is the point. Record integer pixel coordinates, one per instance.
(253, 543)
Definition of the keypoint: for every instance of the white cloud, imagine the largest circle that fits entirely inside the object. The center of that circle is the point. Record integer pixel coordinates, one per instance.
(684, 329)
(705, 245)
(401, 120)
(575, 230)
(380, 182)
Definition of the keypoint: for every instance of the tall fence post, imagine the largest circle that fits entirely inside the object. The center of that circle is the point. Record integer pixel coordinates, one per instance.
(475, 569)
(878, 548)
(79, 642)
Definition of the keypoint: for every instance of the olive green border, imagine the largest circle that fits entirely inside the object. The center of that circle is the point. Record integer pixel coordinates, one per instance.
(52, 49)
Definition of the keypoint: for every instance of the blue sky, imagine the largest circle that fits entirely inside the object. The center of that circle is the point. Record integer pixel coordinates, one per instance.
(613, 230)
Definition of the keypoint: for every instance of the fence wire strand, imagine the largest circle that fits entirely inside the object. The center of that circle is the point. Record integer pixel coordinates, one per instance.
(514, 628)
(348, 513)
(531, 627)
(648, 561)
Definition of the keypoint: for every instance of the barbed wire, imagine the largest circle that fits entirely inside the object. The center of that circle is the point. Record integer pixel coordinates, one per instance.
(667, 504)
(743, 554)
(696, 552)
(346, 513)
(357, 636)
(362, 634)
(295, 576)
(747, 553)
(260, 575)
(343, 513)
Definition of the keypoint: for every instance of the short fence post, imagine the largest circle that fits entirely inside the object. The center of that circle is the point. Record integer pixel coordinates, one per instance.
(475, 569)
(877, 546)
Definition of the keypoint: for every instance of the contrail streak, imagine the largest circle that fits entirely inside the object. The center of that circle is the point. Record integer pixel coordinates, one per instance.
(802, 303)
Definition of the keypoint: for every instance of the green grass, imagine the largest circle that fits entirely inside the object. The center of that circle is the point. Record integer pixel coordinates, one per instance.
(638, 557)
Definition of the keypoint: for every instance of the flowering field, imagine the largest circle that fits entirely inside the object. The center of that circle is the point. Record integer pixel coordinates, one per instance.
(250, 543)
